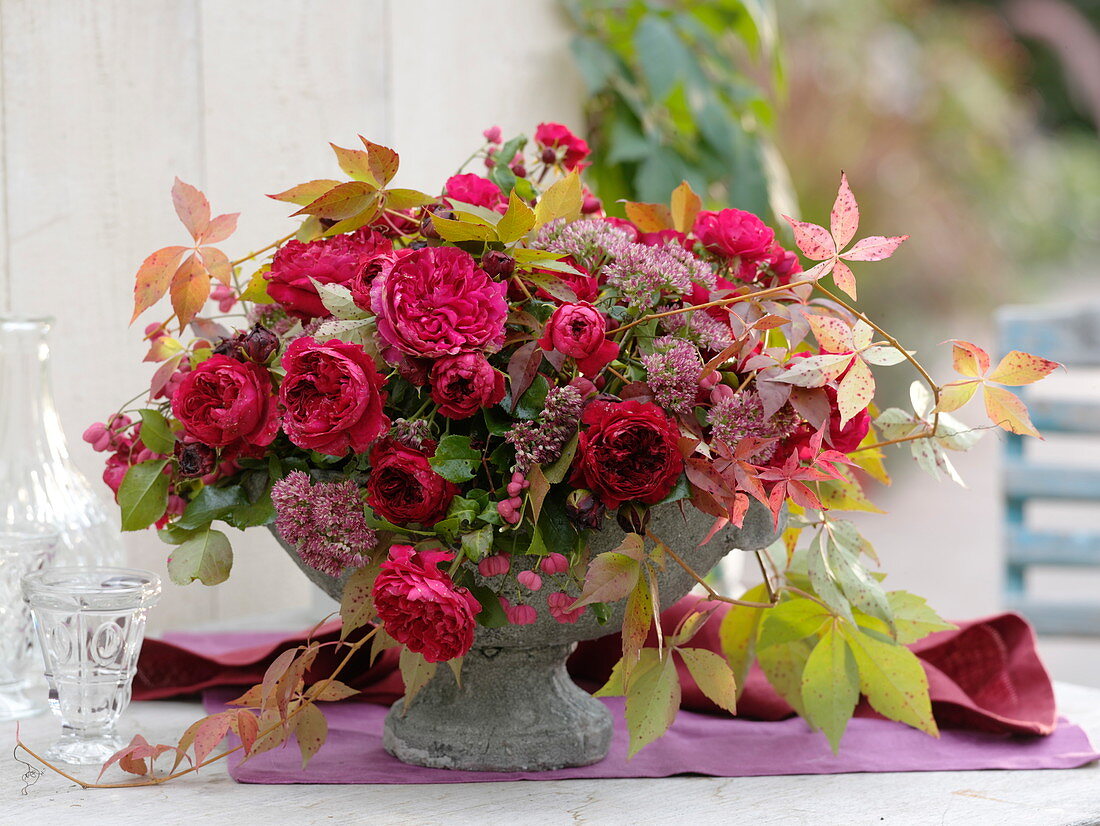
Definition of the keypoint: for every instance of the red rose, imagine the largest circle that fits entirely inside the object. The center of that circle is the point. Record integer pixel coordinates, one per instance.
(628, 452)
(579, 330)
(844, 439)
(328, 260)
(403, 487)
(332, 397)
(435, 302)
(463, 384)
(783, 263)
(473, 189)
(369, 268)
(420, 606)
(227, 403)
(570, 149)
(734, 233)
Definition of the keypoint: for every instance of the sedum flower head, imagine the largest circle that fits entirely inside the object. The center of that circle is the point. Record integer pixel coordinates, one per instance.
(672, 373)
(741, 416)
(325, 521)
(541, 441)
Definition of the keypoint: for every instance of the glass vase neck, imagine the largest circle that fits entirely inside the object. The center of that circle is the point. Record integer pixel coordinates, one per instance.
(29, 424)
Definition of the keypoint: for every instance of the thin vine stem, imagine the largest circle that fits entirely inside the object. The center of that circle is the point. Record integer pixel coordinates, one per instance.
(711, 593)
(272, 245)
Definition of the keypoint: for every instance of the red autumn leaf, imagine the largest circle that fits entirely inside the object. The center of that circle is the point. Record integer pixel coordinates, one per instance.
(190, 289)
(209, 732)
(814, 241)
(523, 366)
(246, 726)
(192, 208)
(153, 278)
(844, 277)
(844, 219)
(274, 673)
(874, 248)
(131, 758)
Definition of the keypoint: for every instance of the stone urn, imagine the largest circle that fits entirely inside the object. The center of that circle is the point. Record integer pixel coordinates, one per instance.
(517, 708)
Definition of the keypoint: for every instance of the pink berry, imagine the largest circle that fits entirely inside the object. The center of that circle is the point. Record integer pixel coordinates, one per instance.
(97, 436)
(554, 564)
(530, 579)
(559, 603)
(494, 565)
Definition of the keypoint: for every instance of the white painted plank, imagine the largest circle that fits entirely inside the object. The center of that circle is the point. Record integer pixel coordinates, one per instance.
(1007, 798)
(101, 107)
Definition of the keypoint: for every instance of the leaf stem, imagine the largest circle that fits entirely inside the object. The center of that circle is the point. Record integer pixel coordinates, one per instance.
(711, 593)
(252, 255)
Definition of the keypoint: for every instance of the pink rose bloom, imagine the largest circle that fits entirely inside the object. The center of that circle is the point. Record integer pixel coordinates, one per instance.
(436, 302)
(579, 330)
(570, 149)
(228, 404)
(332, 397)
(420, 606)
(473, 189)
(328, 260)
(370, 266)
(735, 234)
(463, 384)
(783, 263)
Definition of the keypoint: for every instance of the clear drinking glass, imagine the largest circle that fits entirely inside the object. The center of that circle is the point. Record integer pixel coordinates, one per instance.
(21, 552)
(90, 623)
(38, 481)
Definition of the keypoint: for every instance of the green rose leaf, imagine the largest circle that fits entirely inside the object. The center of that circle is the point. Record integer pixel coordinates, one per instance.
(143, 494)
(454, 459)
(207, 557)
(211, 503)
(155, 432)
(477, 544)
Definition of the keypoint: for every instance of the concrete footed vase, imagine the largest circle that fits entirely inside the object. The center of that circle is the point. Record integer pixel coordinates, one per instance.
(517, 708)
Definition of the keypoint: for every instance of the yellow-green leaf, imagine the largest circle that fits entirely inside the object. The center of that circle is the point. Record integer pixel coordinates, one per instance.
(893, 680)
(355, 163)
(1018, 368)
(737, 633)
(783, 666)
(913, 619)
(451, 230)
(612, 574)
(713, 676)
(307, 193)
(637, 619)
(517, 221)
(342, 201)
(415, 673)
(790, 621)
(1007, 411)
(356, 603)
(652, 700)
(311, 731)
(830, 686)
(562, 200)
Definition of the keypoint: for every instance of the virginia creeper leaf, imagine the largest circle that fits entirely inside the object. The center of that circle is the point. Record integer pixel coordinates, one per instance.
(830, 686)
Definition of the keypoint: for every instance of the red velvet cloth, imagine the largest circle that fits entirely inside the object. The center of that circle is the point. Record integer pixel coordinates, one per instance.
(986, 675)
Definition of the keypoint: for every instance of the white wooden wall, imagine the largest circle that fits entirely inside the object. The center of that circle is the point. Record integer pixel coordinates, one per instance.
(102, 102)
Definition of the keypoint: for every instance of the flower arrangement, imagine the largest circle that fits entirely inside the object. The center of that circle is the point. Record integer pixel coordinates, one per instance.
(428, 386)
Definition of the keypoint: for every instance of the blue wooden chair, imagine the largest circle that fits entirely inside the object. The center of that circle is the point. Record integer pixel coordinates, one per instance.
(1070, 335)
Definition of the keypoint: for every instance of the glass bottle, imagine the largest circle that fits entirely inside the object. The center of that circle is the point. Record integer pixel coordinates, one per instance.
(39, 484)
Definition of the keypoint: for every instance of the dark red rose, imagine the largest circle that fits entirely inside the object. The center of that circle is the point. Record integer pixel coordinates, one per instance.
(420, 606)
(628, 452)
(227, 403)
(473, 189)
(579, 330)
(195, 459)
(566, 146)
(328, 260)
(332, 397)
(403, 488)
(463, 384)
(735, 234)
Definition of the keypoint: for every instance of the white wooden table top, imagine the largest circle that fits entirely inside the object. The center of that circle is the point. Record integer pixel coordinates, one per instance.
(1005, 798)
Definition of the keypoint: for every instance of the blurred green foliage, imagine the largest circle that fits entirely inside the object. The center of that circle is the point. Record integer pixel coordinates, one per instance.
(681, 91)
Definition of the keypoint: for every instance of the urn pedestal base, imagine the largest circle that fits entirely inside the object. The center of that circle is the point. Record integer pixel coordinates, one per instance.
(515, 710)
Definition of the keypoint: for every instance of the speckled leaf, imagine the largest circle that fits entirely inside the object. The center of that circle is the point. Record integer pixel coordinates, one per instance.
(855, 391)
(832, 333)
(307, 193)
(332, 691)
(737, 633)
(874, 248)
(355, 163)
(612, 574)
(1018, 368)
(818, 271)
(153, 278)
(1005, 410)
(356, 603)
(415, 673)
(859, 587)
(783, 666)
(846, 494)
(815, 242)
(384, 162)
(830, 686)
(713, 676)
(220, 228)
(893, 680)
(792, 620)
(209, 732)
(815, 371)
(272, 738)
(342, 201)
(844, 278)
(685, 206)
(883, 355)
(192, 208)
(844, 218)
(311, 731)
(637, 619)
(955, 394)
(246, 726)
(190, 289)
(969, 360)
(652, 700)
(217, 264)
(913, 619)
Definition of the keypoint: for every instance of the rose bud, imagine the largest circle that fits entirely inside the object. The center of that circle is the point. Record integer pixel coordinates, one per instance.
(195, 459)
(498, 264)
(584, 509)
(260, 344)
(232, 347)
(519, 170)
(427, 228)
(633, 517)
(549, 155)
